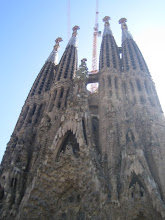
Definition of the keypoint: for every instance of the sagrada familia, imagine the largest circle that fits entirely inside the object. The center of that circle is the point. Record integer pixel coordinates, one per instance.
(79, 155)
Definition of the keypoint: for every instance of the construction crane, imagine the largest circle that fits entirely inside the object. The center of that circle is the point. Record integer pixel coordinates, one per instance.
(68, 19)
(96, 34)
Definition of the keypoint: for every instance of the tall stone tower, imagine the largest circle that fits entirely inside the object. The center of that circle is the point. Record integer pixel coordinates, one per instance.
(77, 155)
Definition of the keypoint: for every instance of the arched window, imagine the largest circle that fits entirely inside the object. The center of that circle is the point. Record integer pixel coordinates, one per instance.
(95, 128)
(84, 130)
(60, 98)
(138, 85)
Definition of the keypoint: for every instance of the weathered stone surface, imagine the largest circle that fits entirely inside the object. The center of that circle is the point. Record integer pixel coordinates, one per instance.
(81, 155)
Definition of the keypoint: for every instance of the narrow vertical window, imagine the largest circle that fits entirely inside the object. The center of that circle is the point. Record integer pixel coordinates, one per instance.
(116, 86)
(66, 98)
(138, 85)
(109, 81)
(131, 85)
(60, 98)
(146, 87)
(116, 82)
(142, 100)
(95, 127)
(124, 90)
(84, 130)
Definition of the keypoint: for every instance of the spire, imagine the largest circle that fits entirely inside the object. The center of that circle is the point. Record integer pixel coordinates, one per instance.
(68, 62)
(107, 29)
(73, 39)
(132, 58)
(45, 77)
(53, 57)
(109, 54)
(125, 32)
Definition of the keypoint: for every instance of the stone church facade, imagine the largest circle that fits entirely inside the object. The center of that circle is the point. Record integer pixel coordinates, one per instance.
(77, 155)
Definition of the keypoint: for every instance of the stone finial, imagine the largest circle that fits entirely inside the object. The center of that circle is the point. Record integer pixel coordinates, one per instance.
(57, 45)
(73, 39)
(83, 61)
(125, 32)
(106, 20)
(53, 57)
(107, 29)
(82, 71)
(123, 21)
(75, 28)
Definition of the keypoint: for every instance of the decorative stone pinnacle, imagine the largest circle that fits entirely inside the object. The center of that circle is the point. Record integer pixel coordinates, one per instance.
(106, 20)
(107, 29)
(75, 28)
(59, 39)
(83, 60)
(123, 21)
(57, 45)
(73, 40)
(125, 32)
(82, 72)
(53, 57)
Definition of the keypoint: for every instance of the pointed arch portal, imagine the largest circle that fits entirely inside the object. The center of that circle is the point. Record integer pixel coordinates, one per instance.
(69, 141)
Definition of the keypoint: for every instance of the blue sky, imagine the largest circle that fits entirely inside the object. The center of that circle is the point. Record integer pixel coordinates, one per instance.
(28, 31)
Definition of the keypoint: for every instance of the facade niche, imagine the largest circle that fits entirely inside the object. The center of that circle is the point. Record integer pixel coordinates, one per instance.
(66, 98)
(131, 85)
(116, 87)
(103, 82)
(31, 113)
(138, 85)
(135, 180)
(95, 128)
(141, 216)
(136, 187)
(109, 81)
(116, 82)
(84, 130)
(13, 183)
(49, 81)
(1, 193)
(68, 64)
(151, 101)
(39, 112)
(125, 58)
(69, 143)
(33, 110)
(101, 63)
(73, 66)
(124, 90)
(60, 98)
(53, 101)
(107, 52)
(131, 55)
(72, 71)
(113, 51)
(26, 112)
(130, 138)
(142, 100)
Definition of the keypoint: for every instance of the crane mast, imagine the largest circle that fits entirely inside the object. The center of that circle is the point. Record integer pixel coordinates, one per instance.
(68, 19)
(96, 34)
